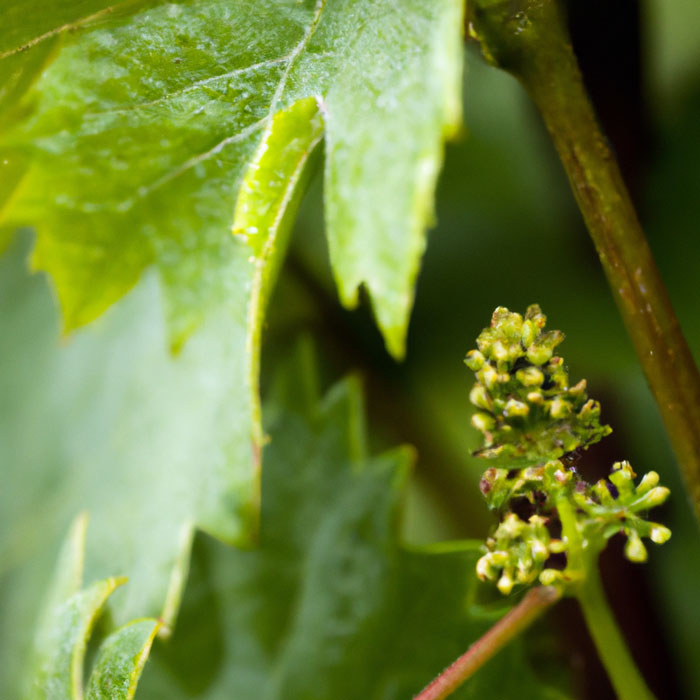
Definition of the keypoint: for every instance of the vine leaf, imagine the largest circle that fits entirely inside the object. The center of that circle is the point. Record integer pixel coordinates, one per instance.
(329, 605)
(147, 133)
(139, 134)
(140, 160)
(57, 668)
(121, 660)
(152, 445)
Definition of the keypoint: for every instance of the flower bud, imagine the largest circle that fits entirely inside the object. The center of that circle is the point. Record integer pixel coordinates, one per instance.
(659, 534)
(530, 376)
(635, 549)
(535, 397)
(505, 584)
(578, 389)
(653, 498)
(483, 421)
(499, 558)
(649, 480)
(539, 354)
(511, 527)
(479, 397)
(539, 550)
(474, 360)
(499, 351)
(516, 408)
(488, 376)
(530, 331)
(549, 577)
(559, 408)
(484, 570)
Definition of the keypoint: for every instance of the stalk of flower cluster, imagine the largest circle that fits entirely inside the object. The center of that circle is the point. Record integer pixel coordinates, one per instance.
(533, 604)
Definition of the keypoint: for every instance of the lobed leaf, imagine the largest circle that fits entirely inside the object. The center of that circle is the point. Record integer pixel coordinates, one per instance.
(142, 134)
(329, 606)
(153, 445)
(57, 667)
(120, 661)
(140, 159)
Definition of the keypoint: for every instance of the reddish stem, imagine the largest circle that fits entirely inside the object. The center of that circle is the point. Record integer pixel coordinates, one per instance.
(535, 602)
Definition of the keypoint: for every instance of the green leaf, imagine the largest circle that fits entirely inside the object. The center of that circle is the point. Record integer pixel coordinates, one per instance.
(59, 671)
(267, 203)
(156, 130)
(140, 158)
(120, 661)
(150, 444)
(57, 667)
(329, 606)
(28, 42)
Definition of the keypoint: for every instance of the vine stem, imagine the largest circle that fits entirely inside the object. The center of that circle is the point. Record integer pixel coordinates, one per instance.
(528, 38)
(586, 586)
(612, 649)
(533, 604)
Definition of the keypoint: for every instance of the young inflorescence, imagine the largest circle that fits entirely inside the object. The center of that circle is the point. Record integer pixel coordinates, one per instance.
(531, 420)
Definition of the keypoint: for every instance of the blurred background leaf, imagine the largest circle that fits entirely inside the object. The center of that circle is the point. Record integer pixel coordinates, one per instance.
(328, 606)
(110, 422)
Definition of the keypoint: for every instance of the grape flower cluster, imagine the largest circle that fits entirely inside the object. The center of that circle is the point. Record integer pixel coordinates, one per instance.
(532, 420)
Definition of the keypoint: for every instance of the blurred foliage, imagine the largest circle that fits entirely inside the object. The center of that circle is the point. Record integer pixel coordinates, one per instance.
(58, 668)
(328, 606)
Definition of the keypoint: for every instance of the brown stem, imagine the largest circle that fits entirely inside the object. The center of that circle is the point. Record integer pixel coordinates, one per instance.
(535, 602)
(528, 38)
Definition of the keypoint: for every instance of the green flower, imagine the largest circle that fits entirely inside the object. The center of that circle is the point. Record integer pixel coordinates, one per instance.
(530, 416)
(528, 411)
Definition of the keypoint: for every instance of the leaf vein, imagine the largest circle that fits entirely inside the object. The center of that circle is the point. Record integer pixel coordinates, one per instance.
(69, 26)
(194, 86)
(144, 191)
(303, 42)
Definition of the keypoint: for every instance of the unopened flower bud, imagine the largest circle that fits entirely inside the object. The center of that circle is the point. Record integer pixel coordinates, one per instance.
(659, 534)
(559, 408)
(479, 397)
(539, 354)
(539, 550)
(474, 360)
(499, 558)
(549, 576)
(649, 480)
(557, 546)
(484, 570)
(530, 331)
(516, 408)
(499, 351)
(655, 497)
(505, 584)
(530, 376)
(483, 421)
(488, 376)
(511, 526)
(535, 397)
(635, 549)
(578, 389)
